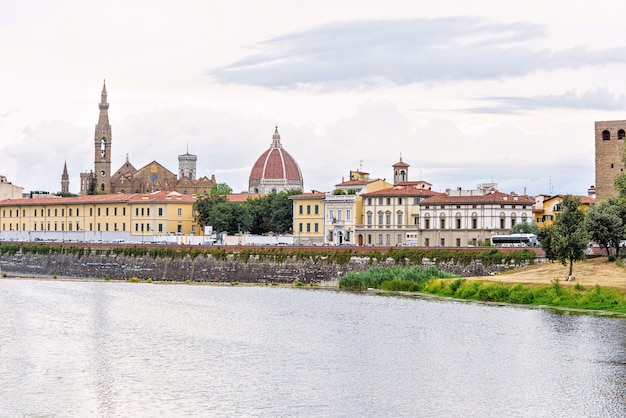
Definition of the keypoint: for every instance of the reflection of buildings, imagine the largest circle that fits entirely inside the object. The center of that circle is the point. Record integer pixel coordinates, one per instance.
(127, 179)
(275, 170)
(609, 140)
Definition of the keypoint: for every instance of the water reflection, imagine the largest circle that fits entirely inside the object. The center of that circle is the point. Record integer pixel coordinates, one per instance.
(117, 349)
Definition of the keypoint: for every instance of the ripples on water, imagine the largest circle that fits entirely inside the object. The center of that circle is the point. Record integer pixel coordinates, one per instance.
(119, 349)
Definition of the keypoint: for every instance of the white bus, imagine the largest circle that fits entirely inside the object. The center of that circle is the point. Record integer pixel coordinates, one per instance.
(514, 240)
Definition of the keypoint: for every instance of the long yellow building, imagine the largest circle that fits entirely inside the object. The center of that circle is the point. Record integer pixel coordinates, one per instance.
(123, 217)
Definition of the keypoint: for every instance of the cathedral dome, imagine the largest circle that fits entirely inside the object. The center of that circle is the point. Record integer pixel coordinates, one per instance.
(275, 170)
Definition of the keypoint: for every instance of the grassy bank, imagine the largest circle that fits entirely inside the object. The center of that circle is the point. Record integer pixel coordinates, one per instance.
(432, 281)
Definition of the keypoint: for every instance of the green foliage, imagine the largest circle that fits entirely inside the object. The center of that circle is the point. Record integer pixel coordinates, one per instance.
(605, 223)
(220, 189)
(415, 277)
(134, 280)
(567, 238)
(525, 228)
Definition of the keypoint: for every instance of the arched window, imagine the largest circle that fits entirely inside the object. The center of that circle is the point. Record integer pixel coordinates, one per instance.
(606, 135)
(621, 134)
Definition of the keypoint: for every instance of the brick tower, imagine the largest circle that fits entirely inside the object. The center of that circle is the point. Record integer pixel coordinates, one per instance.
(609, 150)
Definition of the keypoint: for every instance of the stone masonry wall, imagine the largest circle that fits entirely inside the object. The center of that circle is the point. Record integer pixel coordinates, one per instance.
(204, 268)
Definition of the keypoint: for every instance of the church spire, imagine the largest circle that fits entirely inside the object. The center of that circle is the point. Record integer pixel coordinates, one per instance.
(103, 97)
(276, 139)
(65, 179)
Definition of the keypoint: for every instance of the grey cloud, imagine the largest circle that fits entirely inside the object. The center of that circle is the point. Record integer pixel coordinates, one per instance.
(362, 53)
(600, 99)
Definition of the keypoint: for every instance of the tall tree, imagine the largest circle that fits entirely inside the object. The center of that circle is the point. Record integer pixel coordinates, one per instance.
(605, 223)
(567, 239)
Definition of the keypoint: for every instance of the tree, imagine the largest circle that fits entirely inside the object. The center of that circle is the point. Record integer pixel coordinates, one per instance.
(566, 239)
(605, 224)
(220, 189)
(204, 206)
(525, 228)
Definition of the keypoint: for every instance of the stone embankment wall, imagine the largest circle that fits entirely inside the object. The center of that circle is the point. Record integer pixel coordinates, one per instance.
(205, 268)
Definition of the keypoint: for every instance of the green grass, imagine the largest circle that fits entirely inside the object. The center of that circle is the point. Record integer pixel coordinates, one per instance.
(432, 281)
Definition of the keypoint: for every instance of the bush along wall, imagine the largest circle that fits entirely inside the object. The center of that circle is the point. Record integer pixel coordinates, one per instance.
(250, 265)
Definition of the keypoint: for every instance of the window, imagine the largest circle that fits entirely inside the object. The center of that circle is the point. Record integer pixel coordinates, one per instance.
(106, 212)
(123, 211)
(55, 212)
(502, 223)
(606, 135)
(98, 226)
(142, 211)
(98, 211)
(388, 219)
(136, 227)
(442, 242)
(90, 226)
(369, 219)
(136, 211)
(427, 223)
(380, 238)
(458, 223)
(380, 202)
(621, 134)
(339, 213)
(399, 239)
(90, 212)
(348, 215)
(308, 209)
(69, 226)
(300, 227)
(160, 227)
(317, 210)
(380, 219)
(69, 212)
(180, 211)
(399, 219)
(180, 228)
(115, 211)
(389, 201)
(442, 223)
(308, 227)
(300, 209)
(316, 227)
(48, 212)
(160, 212)
(106, 226)
(458, 242)
(369, 201)
(399, 201)
(416, 200)
(77, 210)
(123, 226)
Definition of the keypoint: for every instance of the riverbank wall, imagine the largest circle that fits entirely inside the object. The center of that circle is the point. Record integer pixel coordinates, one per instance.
(94, 264)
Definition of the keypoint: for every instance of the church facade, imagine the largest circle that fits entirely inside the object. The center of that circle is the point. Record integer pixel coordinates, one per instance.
(152, 177)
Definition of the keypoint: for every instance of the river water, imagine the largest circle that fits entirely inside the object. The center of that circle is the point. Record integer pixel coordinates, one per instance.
(108, 349)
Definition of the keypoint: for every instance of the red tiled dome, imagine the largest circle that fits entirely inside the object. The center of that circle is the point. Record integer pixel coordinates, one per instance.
(275, 170)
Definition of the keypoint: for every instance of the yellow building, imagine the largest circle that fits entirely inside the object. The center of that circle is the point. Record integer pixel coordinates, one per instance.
(308, 218)
(159, 216)
(548, 208)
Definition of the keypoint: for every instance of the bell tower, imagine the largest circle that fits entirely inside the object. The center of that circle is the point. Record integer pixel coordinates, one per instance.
(102, 146)
(400, 171)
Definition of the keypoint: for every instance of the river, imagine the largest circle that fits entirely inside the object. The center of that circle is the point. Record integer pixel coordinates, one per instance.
(109, 349)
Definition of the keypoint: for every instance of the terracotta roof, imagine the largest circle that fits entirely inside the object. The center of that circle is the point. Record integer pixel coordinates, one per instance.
(400, 164)
(402, 190)
(311, 195)
(161, 196)
(355, 182)
(242, 197)
(495, 197)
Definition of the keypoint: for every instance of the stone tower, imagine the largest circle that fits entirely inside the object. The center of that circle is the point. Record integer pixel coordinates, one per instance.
(187, 166)
(102, 146)
(609, 149)
(65, 180)
(400, 172)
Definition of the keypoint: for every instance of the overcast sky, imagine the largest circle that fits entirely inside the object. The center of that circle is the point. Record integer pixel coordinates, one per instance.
(466, 92)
